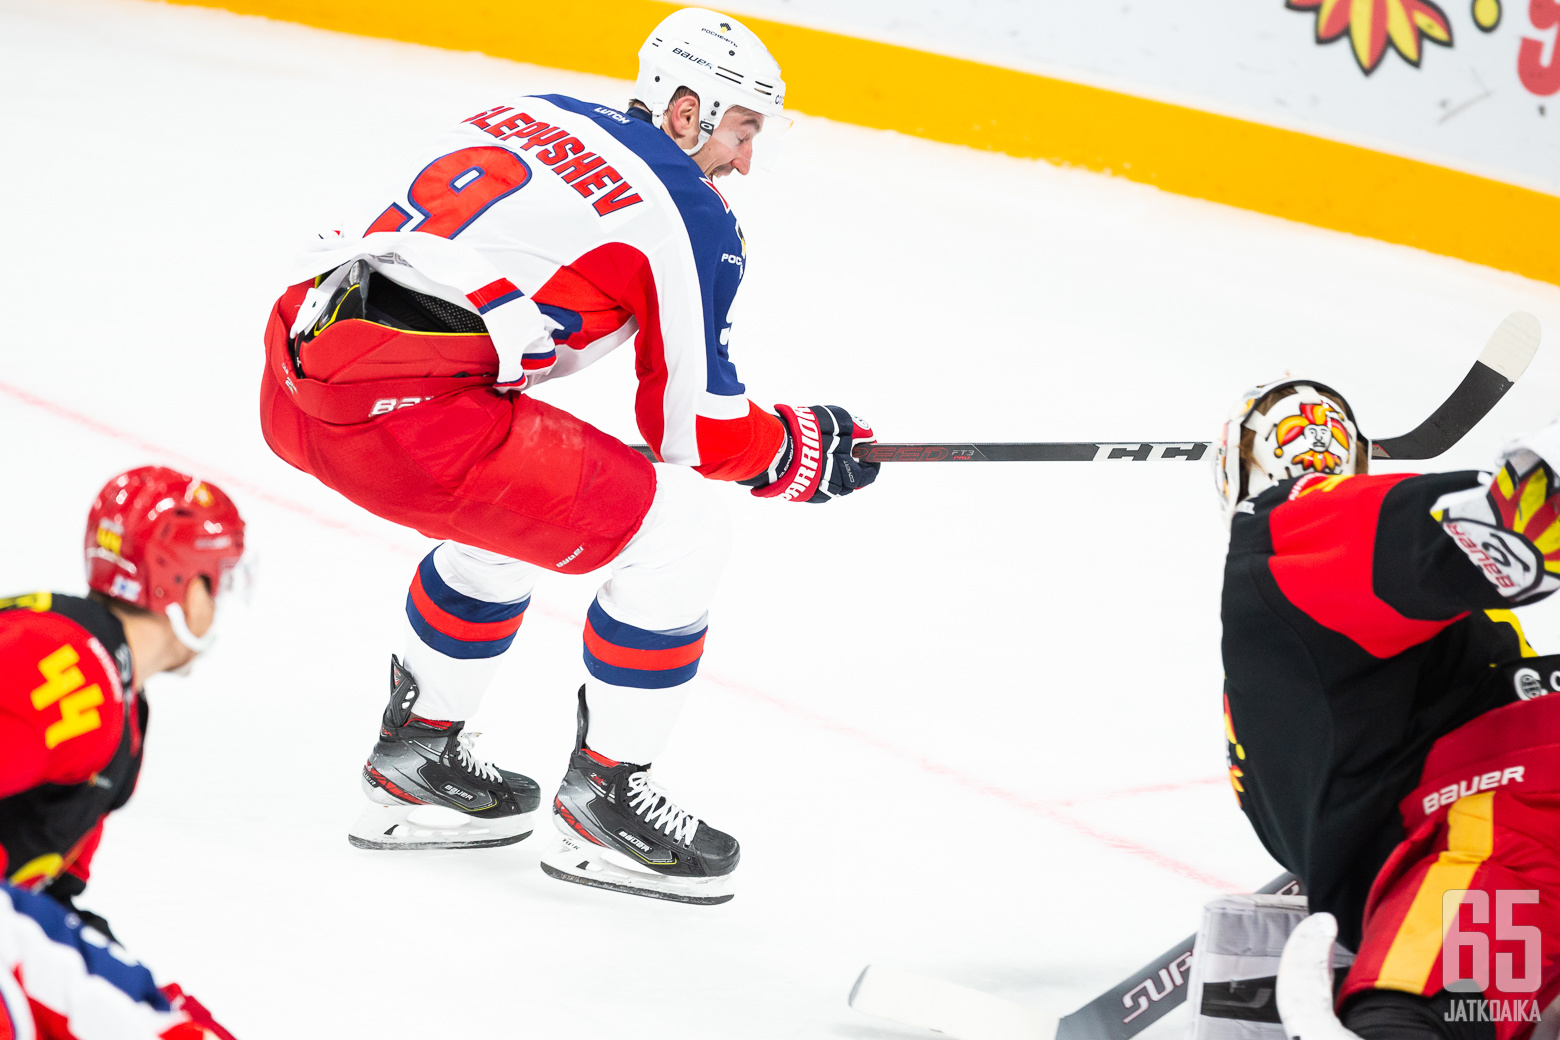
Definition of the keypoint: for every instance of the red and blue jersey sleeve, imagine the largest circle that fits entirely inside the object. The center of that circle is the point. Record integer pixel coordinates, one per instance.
(731, 438)
(556, 208)
(63, 983)
(679, 283)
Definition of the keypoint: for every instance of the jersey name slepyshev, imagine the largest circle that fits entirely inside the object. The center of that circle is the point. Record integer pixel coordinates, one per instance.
(599, 219)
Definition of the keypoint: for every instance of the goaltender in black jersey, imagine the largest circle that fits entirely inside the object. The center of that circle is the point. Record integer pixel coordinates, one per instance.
(1393, 738)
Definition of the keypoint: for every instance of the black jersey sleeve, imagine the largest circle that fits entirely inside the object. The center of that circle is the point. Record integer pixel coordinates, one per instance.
(1418, 570)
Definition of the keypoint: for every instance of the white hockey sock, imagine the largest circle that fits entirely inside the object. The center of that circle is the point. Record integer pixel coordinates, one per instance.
(629, 724)
(449, 688)
(463, 610)
(645, 633)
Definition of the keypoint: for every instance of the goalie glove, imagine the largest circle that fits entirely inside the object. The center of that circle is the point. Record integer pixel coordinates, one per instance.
(815, 463)
(1510, 528)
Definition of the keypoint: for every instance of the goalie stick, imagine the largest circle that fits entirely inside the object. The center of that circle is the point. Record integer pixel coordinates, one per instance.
(1122, 1012)
(1504, 358)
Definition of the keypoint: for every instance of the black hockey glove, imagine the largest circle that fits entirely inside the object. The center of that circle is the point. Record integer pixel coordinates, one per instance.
(816, 465)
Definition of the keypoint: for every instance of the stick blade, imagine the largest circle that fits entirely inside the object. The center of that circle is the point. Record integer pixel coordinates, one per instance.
(1512, 346)
(945, 1007)
(1505, 357)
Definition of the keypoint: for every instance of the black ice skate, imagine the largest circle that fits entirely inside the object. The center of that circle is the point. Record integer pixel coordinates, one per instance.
(618, 830)
(430, 790)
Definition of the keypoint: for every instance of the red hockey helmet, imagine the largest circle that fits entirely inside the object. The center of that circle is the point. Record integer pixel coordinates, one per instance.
(153, 530)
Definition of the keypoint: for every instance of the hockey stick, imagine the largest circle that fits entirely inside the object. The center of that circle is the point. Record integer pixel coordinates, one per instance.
(1504, 358)
(1122, 1012)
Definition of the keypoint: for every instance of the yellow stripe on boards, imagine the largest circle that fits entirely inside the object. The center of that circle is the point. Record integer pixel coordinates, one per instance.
(1416, 949)
(1183, 150)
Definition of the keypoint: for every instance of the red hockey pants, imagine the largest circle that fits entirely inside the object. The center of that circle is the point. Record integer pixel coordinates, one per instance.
(407, 426)
(1473, 892)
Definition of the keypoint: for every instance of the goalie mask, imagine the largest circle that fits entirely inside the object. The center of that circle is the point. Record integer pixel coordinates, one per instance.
(1310, 429)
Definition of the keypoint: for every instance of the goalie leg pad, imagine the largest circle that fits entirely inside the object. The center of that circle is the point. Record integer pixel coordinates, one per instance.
(1234, 979)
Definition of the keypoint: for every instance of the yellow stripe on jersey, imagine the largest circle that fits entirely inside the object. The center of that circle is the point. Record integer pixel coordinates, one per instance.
(1416, 949)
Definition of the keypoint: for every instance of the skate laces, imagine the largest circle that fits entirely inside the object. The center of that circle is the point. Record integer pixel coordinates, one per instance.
(472, 761)
(650, 802)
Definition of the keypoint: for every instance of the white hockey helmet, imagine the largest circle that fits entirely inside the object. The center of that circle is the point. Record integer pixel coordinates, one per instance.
(1310, 430)
(716, 57)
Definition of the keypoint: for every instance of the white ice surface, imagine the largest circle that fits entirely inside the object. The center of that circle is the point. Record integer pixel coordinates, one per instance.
(924, 710)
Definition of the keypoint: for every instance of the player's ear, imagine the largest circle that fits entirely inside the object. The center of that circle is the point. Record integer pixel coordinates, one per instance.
(684, 113)
(199, 606)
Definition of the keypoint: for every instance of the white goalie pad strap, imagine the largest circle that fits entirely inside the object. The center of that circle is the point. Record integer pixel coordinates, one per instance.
(1233, 988)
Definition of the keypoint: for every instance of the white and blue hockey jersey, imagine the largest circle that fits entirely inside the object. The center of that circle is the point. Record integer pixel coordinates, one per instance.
(570, 227)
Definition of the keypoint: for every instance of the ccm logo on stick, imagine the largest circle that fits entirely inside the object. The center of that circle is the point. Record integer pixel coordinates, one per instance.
(1145, 451)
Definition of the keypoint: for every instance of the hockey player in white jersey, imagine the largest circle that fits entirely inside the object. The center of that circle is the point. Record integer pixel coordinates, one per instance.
(531, 241)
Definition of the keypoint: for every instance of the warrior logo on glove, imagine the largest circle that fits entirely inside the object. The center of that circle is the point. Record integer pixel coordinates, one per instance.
(815, 463)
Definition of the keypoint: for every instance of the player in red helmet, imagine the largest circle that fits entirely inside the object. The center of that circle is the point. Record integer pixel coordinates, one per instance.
(161, 549)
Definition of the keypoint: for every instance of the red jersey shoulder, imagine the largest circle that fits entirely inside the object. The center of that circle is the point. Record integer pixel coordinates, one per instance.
(1324, 547)
(60, 688)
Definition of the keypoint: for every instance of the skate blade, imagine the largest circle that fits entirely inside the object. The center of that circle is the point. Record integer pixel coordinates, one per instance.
(391, 827)
(571, 859)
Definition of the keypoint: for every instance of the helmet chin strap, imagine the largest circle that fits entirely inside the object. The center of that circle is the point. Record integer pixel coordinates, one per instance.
(181, 631)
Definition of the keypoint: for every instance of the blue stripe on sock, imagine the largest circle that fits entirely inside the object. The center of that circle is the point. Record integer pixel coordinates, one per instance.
(462, 606)
(638, 678)
(619, 634)
(449, 646)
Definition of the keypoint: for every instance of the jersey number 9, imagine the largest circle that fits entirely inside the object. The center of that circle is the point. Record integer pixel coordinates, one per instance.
(456, 189)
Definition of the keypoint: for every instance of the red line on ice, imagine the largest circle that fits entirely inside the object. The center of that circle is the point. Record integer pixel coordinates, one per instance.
(226, 480)
(1050, 810)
